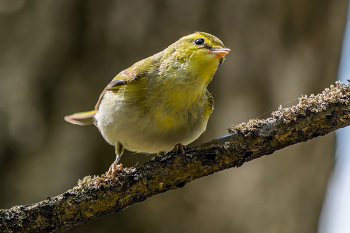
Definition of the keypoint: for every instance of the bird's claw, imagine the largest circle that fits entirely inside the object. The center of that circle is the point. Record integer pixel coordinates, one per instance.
(114, 170)
(179, 147)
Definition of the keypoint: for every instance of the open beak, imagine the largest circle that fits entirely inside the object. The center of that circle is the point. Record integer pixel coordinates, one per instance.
(219, 51)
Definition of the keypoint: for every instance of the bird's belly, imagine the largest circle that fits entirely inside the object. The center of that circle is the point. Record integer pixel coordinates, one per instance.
(144, 132)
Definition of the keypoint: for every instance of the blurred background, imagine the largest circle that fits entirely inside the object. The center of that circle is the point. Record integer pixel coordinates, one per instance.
(57, 56)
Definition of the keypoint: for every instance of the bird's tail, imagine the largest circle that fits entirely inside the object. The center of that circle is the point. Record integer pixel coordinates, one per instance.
(81, 118)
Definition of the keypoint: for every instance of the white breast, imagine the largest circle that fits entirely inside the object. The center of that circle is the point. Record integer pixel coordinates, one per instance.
(136, 131)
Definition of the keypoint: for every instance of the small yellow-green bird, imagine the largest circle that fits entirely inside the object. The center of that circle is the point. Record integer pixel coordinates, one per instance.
(159, 102)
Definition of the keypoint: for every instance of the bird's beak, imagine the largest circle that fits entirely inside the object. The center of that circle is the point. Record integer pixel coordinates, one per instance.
(219, 51)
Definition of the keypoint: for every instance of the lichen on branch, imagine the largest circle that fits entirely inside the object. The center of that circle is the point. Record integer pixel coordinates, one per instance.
(93, 197)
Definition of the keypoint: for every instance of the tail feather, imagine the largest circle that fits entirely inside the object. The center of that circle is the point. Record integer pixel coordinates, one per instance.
(81, 118)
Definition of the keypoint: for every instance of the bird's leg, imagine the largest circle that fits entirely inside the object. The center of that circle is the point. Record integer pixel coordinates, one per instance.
(179, 147)
(115, 168)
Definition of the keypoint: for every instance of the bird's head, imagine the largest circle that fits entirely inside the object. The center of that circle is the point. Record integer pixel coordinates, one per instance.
(201, 47)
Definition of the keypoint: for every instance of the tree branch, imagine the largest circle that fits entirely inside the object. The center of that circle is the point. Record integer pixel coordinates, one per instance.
(94, 197)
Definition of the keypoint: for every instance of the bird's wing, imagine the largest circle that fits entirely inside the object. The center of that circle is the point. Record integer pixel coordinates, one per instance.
(136, 72)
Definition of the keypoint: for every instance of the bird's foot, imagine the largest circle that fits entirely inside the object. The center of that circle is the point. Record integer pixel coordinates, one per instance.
(114, 170)
(179, 147)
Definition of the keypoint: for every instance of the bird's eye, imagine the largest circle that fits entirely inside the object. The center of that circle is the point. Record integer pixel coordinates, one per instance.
(199, 41)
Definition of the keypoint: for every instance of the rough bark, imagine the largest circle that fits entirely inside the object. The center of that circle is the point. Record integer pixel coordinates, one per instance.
(96, 196)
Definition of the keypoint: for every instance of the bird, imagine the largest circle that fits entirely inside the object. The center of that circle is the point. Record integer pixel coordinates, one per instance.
(160, 102)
